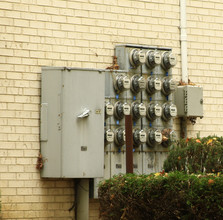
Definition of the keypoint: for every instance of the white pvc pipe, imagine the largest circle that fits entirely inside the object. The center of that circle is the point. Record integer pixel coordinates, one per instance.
(183, 39)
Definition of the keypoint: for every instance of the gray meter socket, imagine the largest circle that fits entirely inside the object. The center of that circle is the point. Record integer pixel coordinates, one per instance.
(139, 137)
(153, 111)
(169, 85)
(169, 60)
(122, 83)
(120, 136)
(137, 57)
(153, 58)
(138, 110)
(121, 109)
(169, 111)
(137, 83)
(153, 85)
(154, 137)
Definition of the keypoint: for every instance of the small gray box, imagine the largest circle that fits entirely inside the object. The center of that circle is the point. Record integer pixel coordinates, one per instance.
(189, 101)
(72, 146)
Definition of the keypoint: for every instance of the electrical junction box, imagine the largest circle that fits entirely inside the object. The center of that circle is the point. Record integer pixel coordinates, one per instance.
(189, 101)
(72, 122)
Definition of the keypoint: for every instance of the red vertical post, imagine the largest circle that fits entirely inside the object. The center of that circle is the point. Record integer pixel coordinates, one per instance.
(129, 144)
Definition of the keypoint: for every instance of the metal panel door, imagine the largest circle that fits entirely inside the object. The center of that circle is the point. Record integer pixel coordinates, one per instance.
(72, 146)
(83, 136)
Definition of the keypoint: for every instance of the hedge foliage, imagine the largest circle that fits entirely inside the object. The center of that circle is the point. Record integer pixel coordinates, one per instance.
(192, 155)
(176, 195)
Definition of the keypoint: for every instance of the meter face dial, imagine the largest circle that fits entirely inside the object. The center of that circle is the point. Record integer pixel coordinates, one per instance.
(109, 109)
(169, 110)
(142, 136)
(169, 85)
(173, 111)
(172, 59)
(122, 83)
(169, 60)
(157, 110)
(121, 109)
(109, 136)
(126, 109)
(137, 57)
(153, 58)
(158, 136)
(142, 109)
(154, 137)
(137, 83)
(153, 85)
(138, 110)
(154, 111)
(139, 137)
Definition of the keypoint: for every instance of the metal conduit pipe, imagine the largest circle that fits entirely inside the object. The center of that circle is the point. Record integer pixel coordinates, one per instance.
(82, 209)
(184, 69)
(183, 39)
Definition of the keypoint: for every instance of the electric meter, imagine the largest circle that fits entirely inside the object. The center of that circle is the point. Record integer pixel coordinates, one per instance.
(168, 136)
(153, 85)
(154, 137)
(137, 57)
(169, 60)
(122, 83)
(121, 109)
(137, 83)
(109, 109)
(153, 58)
(139, 137)
(120, 136)
(138, 110)
(153, 111)
(169, 85)
(169, 110)
(109, 136)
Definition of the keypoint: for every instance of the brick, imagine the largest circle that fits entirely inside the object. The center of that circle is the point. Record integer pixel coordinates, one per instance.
(16, 184)
(32, 198)
(9, 14)
(28, 16)
(20, 7)
(7, 21)
(6, 52)
(6, 37)
(6, 5)
(39, 24)
(59, 19)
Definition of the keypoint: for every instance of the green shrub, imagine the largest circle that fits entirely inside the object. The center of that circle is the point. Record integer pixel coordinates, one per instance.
(162, 196)
(196, 155)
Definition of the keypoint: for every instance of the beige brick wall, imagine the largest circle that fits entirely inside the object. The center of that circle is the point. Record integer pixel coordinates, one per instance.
(93, 209)
(83, 33)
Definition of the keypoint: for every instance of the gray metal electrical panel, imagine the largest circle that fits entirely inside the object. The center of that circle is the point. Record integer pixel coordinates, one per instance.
(189, 101)
(72, 122)
(143, 89)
